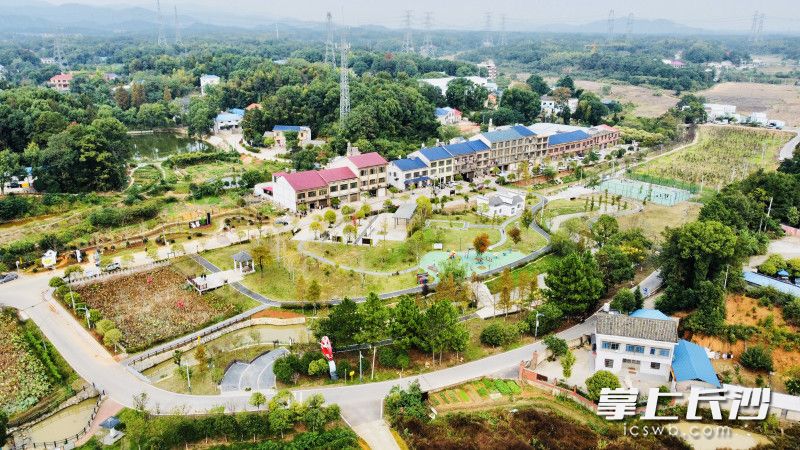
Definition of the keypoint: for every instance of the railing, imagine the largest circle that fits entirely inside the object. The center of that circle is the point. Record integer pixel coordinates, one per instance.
(125, 271)
(27, 421)
(69, 441)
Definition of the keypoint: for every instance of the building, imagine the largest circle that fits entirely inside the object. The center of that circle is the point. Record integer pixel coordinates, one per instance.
(408, 173)
(279, 134)
(759, 280)
(567, 144)
(692, 368)
(551, 107)
(470, 159)
(447, 115)
(342, 185)
(440, 161)
(634, 344)
(291, 190)
(716, 111)
(500, 204)
(228, 120)
(491, 69)
(442, 82)
(208, 80)
(511, 145)
(60, 82)
(758, 118)
(371, 169)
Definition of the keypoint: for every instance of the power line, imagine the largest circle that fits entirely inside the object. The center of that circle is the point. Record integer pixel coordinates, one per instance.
(629, 26)
(58, 52)
(427, 48)
(488, 42)
(162, 39)
(178, 40)
(611, 21)
(503, 30)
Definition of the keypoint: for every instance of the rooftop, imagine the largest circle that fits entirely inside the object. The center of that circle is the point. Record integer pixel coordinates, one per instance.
(336, 174)
(691, 362)
(508, 134)
(405, 211)
(549, 128)
(407, 164)
(62, 77)
(565, 138)
(435, 153)
(650, 314)
(297, 128)
(763, 280)
(637, 328)
(303, 181)
(465, 148)
(242, 256)
(368, 160)
(441, 112)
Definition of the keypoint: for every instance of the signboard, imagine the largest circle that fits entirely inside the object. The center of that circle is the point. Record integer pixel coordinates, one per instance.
(49, 259)
(327, 351)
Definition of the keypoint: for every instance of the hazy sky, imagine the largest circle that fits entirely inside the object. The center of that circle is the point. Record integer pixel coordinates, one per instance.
(780, 15)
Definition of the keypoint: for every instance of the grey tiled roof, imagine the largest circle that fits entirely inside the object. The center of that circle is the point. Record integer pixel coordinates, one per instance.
(242, 256)
(637, 327)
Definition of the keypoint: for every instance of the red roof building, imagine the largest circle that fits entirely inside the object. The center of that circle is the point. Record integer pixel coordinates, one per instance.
(61, 81)
(371, 159)
(337, 174)
(303, 181)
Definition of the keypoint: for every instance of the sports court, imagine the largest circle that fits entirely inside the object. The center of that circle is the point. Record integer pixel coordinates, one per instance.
(487, 261)
(654, 193)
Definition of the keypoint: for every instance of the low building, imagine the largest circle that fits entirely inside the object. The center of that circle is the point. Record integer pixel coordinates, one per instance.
(758, 118)
(634, 344)
(447, 115)
(208, 80)
(61, 82)
(691, 368)
(228, 120)
(715, 111)
(278, 133)
(342, 185)
(408, 173)
(491, 69)
(550, 106)
(500, 204)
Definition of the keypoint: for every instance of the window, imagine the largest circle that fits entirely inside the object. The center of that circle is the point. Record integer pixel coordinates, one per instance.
(353, 185)
(611, 345)
(609, 364)
(381, 180)
(371, 171)
(334, 188)
(655, 365)
(343, 187)
(659, 351)
(363, 172)
(408, 176)
(634, 348)
(301, 196)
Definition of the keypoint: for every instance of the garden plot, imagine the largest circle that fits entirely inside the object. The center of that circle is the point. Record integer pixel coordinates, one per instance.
(153, 307)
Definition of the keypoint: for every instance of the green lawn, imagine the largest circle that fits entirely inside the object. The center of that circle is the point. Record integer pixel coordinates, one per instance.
(385, 256)
(541, 265)
(530, 240)
(453, 237)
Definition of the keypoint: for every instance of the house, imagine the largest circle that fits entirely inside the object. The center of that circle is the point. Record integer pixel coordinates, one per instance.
(691, 368)
(442, 82)
(513, 144)
(759, 280)
(253, 106)
(440, 161)
(447, 115)
(569, 143)
(279, 134)
(716, 111)
(370, 168)
(342, 185)
(60, 82)
(470, 158)
(408, 173)
(758, 118)
(228, 120)
(110, 76)
(550, 106)
(634, 344)
(605, 136)
(208, 80)
(500, 204)
(491, 69)
(291, 190)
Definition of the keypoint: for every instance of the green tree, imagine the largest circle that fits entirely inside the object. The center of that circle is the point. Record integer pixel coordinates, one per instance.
(523, 101)
(313, 292)
(112, 337)
(567, 362)
(527, 217)
(374, 321)
(330, 217)
(200, 117)
(604, 229)
(138, 95)
(441, 330)
(615, 265)
(281, 420)
(558, 347)
(404, 327)
(9, 167)
(506, 285)
(257, 399)
(566, 82)
(464, 95)
(624, 301)
(549, 317)
(601, 379)
(122, 98)
(537, 83)
(574, 284)
(757, 358)
(342, 324)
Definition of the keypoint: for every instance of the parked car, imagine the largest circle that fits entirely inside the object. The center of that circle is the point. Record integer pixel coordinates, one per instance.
(282, 222)
(112, 267)
(5, 278)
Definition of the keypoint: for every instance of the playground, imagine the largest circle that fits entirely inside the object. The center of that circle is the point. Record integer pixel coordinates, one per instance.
(654, 193)
(475, 263)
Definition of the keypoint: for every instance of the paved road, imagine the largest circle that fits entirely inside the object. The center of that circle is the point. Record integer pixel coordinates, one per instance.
(788, 150)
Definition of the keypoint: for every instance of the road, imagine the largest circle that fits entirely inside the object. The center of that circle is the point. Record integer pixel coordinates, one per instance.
(788, 149)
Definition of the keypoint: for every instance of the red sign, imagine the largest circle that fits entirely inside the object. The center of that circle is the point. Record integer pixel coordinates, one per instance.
(326, 347)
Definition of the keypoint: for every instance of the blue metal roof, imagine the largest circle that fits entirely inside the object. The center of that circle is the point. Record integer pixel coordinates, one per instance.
(565, 138)
(237, 111)
(288, 128)
(509, 134)
(441, 112)
(783, 273)
(690, 362)
(650, 314)
(409, 164)
(764, 281)
(227, 117)
(466, 148)
(435, 153)
(523, 130)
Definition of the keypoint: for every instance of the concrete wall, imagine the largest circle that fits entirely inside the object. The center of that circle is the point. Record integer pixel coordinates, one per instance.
(646, 358)
(284, 194)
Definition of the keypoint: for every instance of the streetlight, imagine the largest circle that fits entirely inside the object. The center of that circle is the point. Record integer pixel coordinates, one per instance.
(536, 333)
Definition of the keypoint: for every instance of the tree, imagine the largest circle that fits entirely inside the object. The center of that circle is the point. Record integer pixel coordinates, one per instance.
(615, 265)
(316, 227)
(3, 428)
(558, 347)
(601, 379)
(515, 234)
(280, 421)
(498, 334)
(350, 230)
(200, 117)
(549, 317)
(464, 95)
(537, 83)
(424, 206)
(138, 95)
(374, 321)
(314, 292)
(112, 337)
(506, 285)
(122, 98)
(405, 323)
(103, 326)
(260, 253)
(566, 82)
(590, 109)
(257, 399)
(404, 404)
(638, 299)
(342, 324)
(9, 167)
(481, 243)
(624, 302)
(574, 284)
(567, 362)
(524, 101)
(527, 218)
(441, 330)
(604, 228)
(757, 358)
(300, 288)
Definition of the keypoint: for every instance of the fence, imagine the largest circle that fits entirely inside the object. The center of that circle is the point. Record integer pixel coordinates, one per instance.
(77, 281)
(25, 422)
(69, 442)
(533, 378)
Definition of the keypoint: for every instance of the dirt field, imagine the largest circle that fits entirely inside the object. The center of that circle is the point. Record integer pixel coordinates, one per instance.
(656, 218)
(649, 102)
(779, 101)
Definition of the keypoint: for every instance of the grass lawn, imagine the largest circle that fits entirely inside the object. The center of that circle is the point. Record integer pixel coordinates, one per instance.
(530, 240)
(385, 256)
(656, 218)
(541, 265)
(467, 216)
(722, 155)
(453, 237)
(562, 207)
(156, 306)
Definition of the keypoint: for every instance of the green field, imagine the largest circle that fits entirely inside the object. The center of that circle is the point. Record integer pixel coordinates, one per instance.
(721, 155)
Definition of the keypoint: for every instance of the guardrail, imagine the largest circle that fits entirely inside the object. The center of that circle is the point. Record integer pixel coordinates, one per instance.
(125, 271)
(68, 442)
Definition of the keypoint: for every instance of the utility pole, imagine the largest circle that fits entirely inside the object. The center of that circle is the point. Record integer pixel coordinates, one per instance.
(277, 34)
(629, 27)
(330, 47)
(344, 82)
(178, 40)
(408, 46)
(58, 53)
(503, 30)
(162, 39)
(754, 27)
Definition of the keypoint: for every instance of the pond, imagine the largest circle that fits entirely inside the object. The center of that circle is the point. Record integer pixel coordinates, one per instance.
(158, 146)
(64, 424)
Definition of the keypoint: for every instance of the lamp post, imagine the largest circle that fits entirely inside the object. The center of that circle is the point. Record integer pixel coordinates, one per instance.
(536, 333)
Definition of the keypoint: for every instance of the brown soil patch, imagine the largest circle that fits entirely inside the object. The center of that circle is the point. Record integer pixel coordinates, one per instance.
(649, 102)
(779, 101)
(276, 314)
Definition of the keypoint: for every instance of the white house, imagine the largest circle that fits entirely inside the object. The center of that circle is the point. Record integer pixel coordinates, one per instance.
(447, 115)
(758, 118)
(408, 173)
(208, 80)
(440, 161)
(550, 105)
(279, 134)
(500, 204)
(228, 120)
(716, 111)
(635, 344)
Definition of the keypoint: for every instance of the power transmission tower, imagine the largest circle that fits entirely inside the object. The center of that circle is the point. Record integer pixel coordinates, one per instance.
(503, 30)
(330, 47)
(58, 52)
(427, 48)
(178, 40)
(488, 42)
(754, 26)
(344, 82)
(611, 21)
(629, 26)
(408, 46)
(162, 39)
(760, 27)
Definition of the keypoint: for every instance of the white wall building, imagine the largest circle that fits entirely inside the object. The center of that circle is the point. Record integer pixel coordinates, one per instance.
(208, 80)
(408, 173)
(500, 204)
(634, 344)
(716, 110)
(441, 83)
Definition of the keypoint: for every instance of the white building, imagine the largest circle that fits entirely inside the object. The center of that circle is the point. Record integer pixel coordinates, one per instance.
(442, 83)
(491, 69)
(500, 204)
(408, 173)
(716, 111)
(440, 161)
(228, 120)
(634, 344)
(758, 118)
(208, 80)
(550, 106)
(447, 115)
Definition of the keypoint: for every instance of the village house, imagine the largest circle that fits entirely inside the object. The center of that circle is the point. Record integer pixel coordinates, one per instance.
(61, 82)
(206, 81)
(371, 169)
(278, 133)
(440, 161)
(408, 173)
(447, 115)
(228, 120)
(500, 204)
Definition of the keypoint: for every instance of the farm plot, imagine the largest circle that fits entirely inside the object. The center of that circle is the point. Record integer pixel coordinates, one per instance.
(153, 307)
(721, 155)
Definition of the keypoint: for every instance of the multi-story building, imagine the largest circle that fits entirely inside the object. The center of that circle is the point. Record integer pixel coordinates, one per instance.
(447, 115)
(634, 344)
(228, 120)
(60, 82)
(208, 80)
(370, 169)
(470, 159)
(440, 161)
(509, 146)
(342, 184)
(408, 173)
(291, 190)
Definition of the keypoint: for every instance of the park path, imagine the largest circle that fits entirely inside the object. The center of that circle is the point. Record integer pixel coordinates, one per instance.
(238, 286)
(788, 149)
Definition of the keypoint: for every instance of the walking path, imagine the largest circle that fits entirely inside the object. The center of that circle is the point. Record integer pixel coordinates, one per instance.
(788, 149)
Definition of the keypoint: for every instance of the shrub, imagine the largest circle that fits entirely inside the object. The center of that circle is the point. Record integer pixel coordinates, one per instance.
(61, 291)
(56, 282)
(624, 301)
(772, 265)
(103, 326)
(601, 379)
(497, 334)
(793, 386)
(791, 312)
(549, 319)
(284, 368)
(112, 337)
(757, 358)
(393, 357)
(557, 346)
(318, 367)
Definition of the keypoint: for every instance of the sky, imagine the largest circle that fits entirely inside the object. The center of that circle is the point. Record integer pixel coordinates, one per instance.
(720, 15)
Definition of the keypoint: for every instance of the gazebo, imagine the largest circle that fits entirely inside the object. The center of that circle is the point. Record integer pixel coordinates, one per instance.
(243, 262)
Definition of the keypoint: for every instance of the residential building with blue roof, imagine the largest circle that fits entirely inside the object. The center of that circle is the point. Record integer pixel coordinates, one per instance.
(440, 162)
(511, 145)
(691, 365)
(650, 314)
(228, 120)
(625, 344)
(408, 173)
(447, 115)
(757, 279)
(278, 133)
